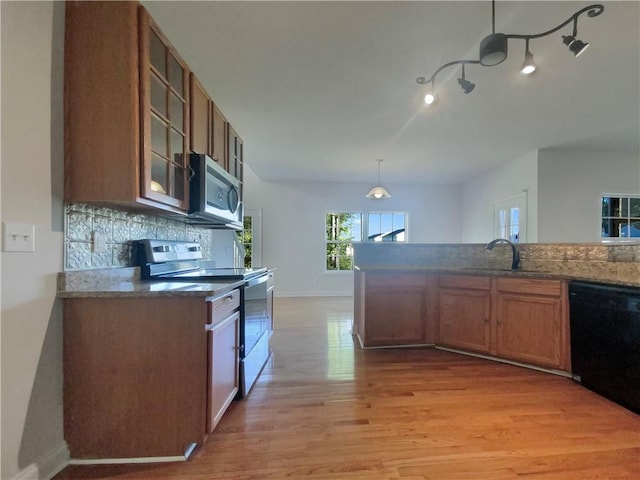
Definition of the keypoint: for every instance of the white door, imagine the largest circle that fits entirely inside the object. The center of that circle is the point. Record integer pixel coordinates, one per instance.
(510, 219)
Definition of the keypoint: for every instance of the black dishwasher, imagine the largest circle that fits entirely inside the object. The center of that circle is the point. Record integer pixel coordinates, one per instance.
(605, 340)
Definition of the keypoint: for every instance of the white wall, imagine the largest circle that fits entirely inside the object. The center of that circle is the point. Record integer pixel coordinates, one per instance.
(293, 216)
(32, 119)
(571, 186)
(507, 180)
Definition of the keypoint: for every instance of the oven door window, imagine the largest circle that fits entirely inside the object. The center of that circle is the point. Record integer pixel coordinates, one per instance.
(255, 315)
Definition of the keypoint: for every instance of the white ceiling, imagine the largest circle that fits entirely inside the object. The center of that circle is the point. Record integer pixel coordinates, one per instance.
(319, 90)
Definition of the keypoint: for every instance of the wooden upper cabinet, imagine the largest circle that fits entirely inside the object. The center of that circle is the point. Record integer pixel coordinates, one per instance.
(235, 156)
(201, 116)
(126, 109)
(164, 90)
(219, 137)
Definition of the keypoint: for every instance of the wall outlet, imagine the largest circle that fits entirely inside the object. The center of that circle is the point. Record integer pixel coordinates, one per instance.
(98, 242)
(19, 237)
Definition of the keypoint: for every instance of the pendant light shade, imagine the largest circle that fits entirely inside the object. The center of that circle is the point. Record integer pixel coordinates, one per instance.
(378, 192)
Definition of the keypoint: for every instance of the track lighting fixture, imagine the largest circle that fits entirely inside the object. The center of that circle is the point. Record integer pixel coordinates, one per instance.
(378, 191)
(495, 46)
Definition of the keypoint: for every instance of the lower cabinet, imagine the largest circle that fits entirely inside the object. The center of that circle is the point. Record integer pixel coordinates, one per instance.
(465, 312)
(532, 322)
(223, 336)
(223, 368)
(514, 318)
(394, 308)
(134, 371)
(520, 319)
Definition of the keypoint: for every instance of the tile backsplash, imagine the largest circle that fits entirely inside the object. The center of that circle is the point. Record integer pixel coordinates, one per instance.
(119, 228)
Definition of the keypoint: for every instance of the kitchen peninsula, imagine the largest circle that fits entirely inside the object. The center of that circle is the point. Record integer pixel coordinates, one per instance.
(462, 297)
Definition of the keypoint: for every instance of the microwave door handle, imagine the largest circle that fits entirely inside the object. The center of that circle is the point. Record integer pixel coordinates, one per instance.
(233, 199)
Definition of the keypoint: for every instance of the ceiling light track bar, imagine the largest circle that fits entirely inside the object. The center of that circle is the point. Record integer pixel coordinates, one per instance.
(423, 81)
(591, 10)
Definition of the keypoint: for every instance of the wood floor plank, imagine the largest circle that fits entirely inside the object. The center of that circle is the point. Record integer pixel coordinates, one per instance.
(324, 409)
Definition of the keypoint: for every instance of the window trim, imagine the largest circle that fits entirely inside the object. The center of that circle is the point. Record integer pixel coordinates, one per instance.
(364, 238)
(601, 218)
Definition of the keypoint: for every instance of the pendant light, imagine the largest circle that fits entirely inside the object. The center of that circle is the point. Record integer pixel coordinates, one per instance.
(378, 192)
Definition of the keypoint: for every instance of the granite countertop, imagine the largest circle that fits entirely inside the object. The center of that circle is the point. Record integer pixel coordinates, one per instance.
(125, 282)
(489, 271)
(462, 270)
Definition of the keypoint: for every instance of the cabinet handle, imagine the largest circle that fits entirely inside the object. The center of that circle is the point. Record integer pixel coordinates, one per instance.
(229, 297)
(486, 320)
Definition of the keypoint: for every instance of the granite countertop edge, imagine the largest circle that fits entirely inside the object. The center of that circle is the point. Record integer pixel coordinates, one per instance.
(133, 289)
(479, 271)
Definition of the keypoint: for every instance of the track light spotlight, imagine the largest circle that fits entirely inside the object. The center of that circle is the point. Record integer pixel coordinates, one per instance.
(575, 46)
(529, 66)
(430, 98)
(466, 85)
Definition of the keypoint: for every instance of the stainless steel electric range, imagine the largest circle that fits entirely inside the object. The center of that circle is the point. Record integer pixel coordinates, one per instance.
(162, 260)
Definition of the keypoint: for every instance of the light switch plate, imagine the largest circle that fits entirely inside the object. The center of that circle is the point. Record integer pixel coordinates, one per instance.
(19, 237)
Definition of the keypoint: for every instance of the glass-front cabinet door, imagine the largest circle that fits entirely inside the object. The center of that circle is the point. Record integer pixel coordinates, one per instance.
(165, 112)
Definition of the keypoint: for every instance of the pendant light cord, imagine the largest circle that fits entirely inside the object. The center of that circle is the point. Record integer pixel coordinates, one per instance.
(493, 16)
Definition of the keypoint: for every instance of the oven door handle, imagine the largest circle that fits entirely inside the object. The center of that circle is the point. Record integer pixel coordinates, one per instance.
(252, 282)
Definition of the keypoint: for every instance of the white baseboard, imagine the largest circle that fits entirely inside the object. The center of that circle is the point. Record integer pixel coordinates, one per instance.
(279, 294)
(48, 466)
(29, 473)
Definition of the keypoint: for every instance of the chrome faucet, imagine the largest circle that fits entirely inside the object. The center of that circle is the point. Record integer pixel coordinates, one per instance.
(515, 262)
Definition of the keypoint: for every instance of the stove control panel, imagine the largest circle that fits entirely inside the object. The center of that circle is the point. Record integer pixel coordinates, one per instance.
(156, 251)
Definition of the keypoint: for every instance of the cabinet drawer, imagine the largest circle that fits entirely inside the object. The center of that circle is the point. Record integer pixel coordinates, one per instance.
(530, 286)
(466, 281)
(223, 306)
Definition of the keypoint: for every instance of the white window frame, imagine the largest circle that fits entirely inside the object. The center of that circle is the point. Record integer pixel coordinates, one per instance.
(256, 235)
(601, 218)
(364, 216)
(519, 202)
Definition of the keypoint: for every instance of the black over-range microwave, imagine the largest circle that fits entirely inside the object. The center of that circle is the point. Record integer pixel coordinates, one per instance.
(214, 198)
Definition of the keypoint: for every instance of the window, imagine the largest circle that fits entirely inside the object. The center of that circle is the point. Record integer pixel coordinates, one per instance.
(386, 227)
(621, 216)
(246, 239)
(250, 239)
(342, 229)
(509, 219)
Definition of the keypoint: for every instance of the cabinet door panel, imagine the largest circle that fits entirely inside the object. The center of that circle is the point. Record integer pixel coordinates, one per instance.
(200, 118)
(395, 316)
(219, 138)
(223, 368)
(164, 113)
(464, 319)
(529, 329)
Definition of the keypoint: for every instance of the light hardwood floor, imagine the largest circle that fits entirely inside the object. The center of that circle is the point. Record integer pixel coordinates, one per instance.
(325, 409)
